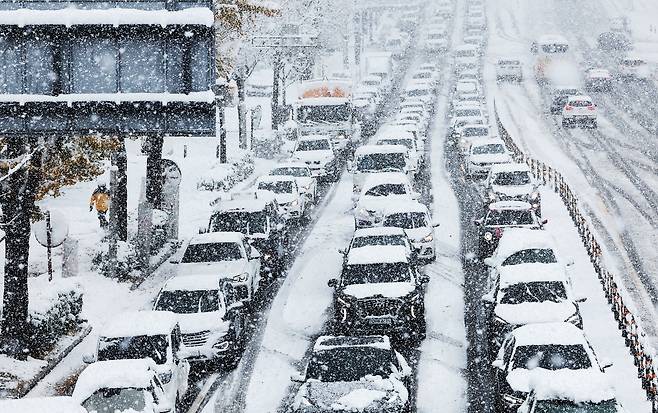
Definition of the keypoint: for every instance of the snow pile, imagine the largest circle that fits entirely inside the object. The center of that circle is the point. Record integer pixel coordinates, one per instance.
(223, 177)
(42, 405)
(575, 385)
(114, 374)
(357, 400)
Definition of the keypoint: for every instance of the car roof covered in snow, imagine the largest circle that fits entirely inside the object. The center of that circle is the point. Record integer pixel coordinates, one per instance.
(510, 167)
(598, 72)
(579, 386)
(573, 98)
(502, 205)
(378, 231)
(215, 237)
(140, 323)
(399, 206)
(114, 374)
(314, 137)
(463, 47)
(377, 254)
(324, 343)
(60, 404)
(549, 333)
(370, 149)
(518, 239)
(249, 202)
(393, 131)
(193, 282)
(384, 178)
(532, 272)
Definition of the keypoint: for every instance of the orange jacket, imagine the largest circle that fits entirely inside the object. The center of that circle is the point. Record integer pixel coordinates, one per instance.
(101, 201)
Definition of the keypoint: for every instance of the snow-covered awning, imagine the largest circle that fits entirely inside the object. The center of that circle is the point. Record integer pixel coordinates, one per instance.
(164, 98)
(112, 17)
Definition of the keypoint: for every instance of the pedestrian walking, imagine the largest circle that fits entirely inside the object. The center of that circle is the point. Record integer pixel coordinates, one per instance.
(100, 199)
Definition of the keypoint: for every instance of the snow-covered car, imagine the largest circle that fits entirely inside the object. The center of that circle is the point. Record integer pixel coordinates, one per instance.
(376, 159)
(469, 74)
(302, 173)
(396, 45)
(379, 190)
(540, 352)
(471, 134)
(346, 374)
(384, 236)
(290, 197)
(414, 218)
(457, 124)
(151, 335)
(564, 391)
(598, 80)
(415, 155)
(436, 41)
(422, 91)
(501, 216)
(212, 319)
(123, 386)
(256, 215)
(380, 291)
(425, 76)
(468, 86)
(509, 69)
(476, 40)
(484, 154)
(318, 153)
(528, 294)
(417, 112)
(560, 96)
(579, 109)
(512, 182)
(634, 68)
(225, 253)
(466, 56)
(59, 404)
(476, 21)
(415, 118)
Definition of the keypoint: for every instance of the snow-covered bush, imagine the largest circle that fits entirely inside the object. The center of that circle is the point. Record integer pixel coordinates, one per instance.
(127, 261)
(223, 177)
(267, 145)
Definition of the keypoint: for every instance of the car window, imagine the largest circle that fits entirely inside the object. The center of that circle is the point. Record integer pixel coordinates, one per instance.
(359, 242)
(462, 113)
(580, 103)
(512, 178)
(552, 357)
(240, 221)
(376, 273)
(188, 302)
(349, 364)
(291, 171)
(532, 255)
(566, 406)
(491, 148)
(119, 400)
(470, 132)
(406, 220)
(509, 217)
(212, 252)
(278, 187)
(314, 145)
(534, 292)
(381, 162)
(386, 190)
(134, 347)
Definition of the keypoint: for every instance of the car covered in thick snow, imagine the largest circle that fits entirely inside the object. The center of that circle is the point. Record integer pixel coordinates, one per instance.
(503, 215)
(123, 386)
(559, 96)
(376, 159)
(290, 197)
(378, 191)
(483, 154)
(380, 291)
(539, 352)
(512, 182)
(212, 319)
(579, 110)
(471, 134)
(317, 152)
(598, 80)
(509, 69)
(348, 374)
(404, 139)
(634, 68)
(414, 218)
(59, 404)
(466, 56)
(306, 182)
(384, 236)
(228, 254)
(420, 90)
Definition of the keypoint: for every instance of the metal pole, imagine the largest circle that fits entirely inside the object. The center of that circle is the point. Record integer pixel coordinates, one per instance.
(112, 247)
(49, 243)
(222, 134)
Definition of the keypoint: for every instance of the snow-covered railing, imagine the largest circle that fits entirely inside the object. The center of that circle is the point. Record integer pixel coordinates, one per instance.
(619, 299)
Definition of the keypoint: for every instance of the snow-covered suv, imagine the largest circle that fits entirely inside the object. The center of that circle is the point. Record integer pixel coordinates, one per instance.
(512, 182)
(501, 216)
(341, 370)
(414, 218)
(290, 197)
(375, 159)
(379, 190)
(306, 182)
(568, 393)
(318, 153)
(484, 154)
(579, 109)
(222, 253)
(380, 291)
(509, 69)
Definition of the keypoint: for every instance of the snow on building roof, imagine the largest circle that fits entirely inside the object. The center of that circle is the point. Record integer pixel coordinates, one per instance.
(502, 205)
(398, 206)
(69, 99)
(324, 343)
(61, 404)
(114, 374)
(377, 254)
(370, 149)
(219, 236)
(140, 323)
(385, 178)
(377, 231)
(510, 167)
(549, 333)
(111, 17)
(526, 273)
(194, 282)
(580, 386)
(517, 239)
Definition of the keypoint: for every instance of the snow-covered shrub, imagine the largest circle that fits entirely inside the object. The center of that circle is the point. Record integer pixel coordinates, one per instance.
(127, 261)
(267, 145)
(223, 177)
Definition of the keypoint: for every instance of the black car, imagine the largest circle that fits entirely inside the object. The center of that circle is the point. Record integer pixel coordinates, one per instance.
(380, 292)
(500, 216)
(255, 215)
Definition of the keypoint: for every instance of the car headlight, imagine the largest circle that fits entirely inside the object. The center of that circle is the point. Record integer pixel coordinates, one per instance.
(294, 203)
(165, 377)
(221, 345)
(488, 236)
(428, 238)
(240, 278)
(492, 196)
(534, 195)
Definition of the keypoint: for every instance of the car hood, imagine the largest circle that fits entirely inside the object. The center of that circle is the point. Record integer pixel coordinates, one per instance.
(513, 190)
(197, 322)
(490, 158)
(227, 268)
(313, 155)
(378, 203)
(283, 198)
(521, 380)
(526, 313)
(386, 290)
(304, 181)
(368, 395)
(417, 234)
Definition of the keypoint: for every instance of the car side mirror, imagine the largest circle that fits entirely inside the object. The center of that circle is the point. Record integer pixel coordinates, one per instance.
(341, 251)
(297, 377)
(606, 364)
(544, 221)
(280, 226)
(424, 279)
(174, 260)
(436, 224)
(580, 299)
(333, 283)
(489, 262)
(89, 358)
(570, 263)
(488, 298)
(415, 195)
(235, 306)
(253, 253)
(498, 364)
(350, 166)
(478, 222)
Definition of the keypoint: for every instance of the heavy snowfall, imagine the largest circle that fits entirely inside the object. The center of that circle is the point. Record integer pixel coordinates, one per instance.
(324, 206)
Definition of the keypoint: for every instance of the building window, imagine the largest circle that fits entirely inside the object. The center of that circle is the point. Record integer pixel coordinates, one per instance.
(142, 65)
(93, 65)
(11, 81)
(40, 76)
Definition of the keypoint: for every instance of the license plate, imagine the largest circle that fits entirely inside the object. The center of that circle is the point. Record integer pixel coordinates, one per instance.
(380, 321)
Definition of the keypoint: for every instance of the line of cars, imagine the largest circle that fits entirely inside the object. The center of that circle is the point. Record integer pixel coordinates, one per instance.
(541, 358)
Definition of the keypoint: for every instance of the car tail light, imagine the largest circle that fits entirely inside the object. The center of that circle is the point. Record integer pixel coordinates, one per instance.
(498, 232)
(568, 107)
(591, 107)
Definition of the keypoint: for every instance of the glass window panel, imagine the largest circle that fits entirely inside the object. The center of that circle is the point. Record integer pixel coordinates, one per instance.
(93, 65)
(39, 74)
(10, 70)
(201, 67)
(142, 65)
(175, 82)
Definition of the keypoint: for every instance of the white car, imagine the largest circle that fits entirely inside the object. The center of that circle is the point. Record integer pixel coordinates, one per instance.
(225, 253)
(381, 236)
(485, 153)
(151, 335)
(59, 404)
(512, 182)
(425, 76)
(547, 349)
(472, 133)
(123, 385)
(414, 218)
(598, 80)
(290, 197)
(476, 20)
(212, 319)
(466, 56)
(376, 159)
(415, 154)
(579, 109)
(509, 69)
(317, 152)
(379, 190)
(422, 91)
(302, 173)
(436, 41)
(634, 68)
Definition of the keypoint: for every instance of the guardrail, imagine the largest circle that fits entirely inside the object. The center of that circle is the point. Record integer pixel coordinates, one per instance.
(631, 331)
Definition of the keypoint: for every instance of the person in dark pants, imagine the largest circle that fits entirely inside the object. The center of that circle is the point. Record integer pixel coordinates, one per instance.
(100, 199)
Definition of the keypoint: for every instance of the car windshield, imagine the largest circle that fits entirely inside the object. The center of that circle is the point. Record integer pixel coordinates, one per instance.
(278, 187)
(418, 92)
(565, 406)
(188, 302)
(465, 53)
(552, 357)
(376, 273)
(212, 252)
(422, 75)
(313, 145)
(470, 132)
(245, 222)
(375, 162)
(462, 113)
(116, 401)
(324, 113)
(534, 292)
(134, 347)
(349, 364)
(369, 240)
(509, 62)
(512, 178)
(386, 190)
(491, 148)
(296, 171)
(406, 142)
(510, 217)
(530, 256)
(580, 103)
(632, 63)
(555, 48)
(406, 220)
(436, 36)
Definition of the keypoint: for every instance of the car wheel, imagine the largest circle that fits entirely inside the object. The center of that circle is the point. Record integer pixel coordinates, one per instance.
(565, 123)
(594, 125)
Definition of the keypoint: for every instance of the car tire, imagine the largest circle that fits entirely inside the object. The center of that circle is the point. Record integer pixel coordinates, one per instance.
(594, 125)
(566, 124)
